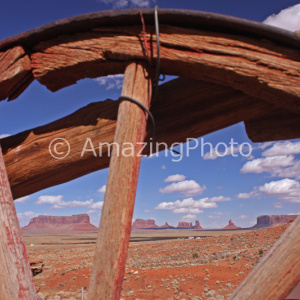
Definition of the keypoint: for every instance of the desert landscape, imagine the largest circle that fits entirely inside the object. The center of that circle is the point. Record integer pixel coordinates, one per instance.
(171, 263)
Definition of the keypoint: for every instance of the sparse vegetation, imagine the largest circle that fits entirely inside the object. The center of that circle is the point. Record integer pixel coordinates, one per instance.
(195, 255)
(261, 252)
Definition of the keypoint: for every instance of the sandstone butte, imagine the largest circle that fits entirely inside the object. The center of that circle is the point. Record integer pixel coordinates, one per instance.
(150, 224)
(60, 224)
(273, 220)
(230, 226)
(262, 222)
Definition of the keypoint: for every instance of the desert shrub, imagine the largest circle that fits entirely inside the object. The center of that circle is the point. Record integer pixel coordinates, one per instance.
(195, 255)
(261, 252)
(234, 257)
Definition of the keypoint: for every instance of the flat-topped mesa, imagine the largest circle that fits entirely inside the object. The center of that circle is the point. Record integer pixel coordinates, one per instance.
(231, 225)
(273, 220)
(143, 224)
(60, 224)
(189, 225)
(83, 218)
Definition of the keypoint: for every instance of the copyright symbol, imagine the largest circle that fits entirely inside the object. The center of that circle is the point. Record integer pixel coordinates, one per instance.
(59, 148)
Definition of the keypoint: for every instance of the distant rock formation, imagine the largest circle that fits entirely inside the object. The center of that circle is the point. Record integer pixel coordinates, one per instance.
(150, 224)
(184, 225)
(187, 225)
(231, 225)
(197, 225)
(166, 226)
(143, 224)
(60, 224)
(273, 220)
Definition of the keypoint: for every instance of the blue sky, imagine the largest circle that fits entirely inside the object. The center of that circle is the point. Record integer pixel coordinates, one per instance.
(210, 189)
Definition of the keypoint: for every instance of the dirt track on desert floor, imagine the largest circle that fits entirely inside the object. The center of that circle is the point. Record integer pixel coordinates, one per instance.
(204, 268)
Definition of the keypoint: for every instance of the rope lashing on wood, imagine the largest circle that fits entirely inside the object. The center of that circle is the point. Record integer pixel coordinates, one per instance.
(156, 80)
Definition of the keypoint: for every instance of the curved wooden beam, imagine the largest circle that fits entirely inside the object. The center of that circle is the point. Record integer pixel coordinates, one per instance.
(260, 60)
(203, 107)
(256, 67)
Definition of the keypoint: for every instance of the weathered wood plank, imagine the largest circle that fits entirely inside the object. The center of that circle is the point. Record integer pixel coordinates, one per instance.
(204, 108)
(259, 68)
(116, 218)
(15, 274)
(274, 126)
(15, 73)
(279, 271)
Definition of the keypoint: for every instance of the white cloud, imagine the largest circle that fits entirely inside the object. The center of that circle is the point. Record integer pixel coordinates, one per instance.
(285, 189)
(25, 217)
(4, 135)
(49, 200)
(111, 81)
(58, 202)
(22, 200)
(271, 164)
(102, 189)
(190, 205)
(293, 171)
(243, 217)
(189, 218)
(283, 148)
(163, 167)
(246, 195)
(176, 177)
(128, 3)
(228, 150)
(264, 145)
(185, 210)
(96, 205)
(278, 205)
(74, 203)
(218, 199)
(288, 18)
(187, 187)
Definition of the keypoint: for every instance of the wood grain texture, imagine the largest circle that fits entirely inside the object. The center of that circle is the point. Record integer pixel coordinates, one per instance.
(279, 271)
(15, 274)
(116, 218)
(15, 73)
(204, 108)
(274, 126)
(259, 68)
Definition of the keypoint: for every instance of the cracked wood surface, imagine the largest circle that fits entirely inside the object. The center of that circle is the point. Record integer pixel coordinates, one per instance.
(259, 68)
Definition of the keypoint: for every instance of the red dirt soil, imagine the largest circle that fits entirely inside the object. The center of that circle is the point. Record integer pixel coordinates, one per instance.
(160, 269)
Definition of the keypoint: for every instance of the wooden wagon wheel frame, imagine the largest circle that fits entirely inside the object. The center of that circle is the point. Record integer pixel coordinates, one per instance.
(231, 70)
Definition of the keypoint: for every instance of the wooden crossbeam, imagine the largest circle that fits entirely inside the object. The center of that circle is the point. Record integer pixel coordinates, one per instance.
(15, 274)
(279, 271)
(204, 108)
(15, 73)
(115, 226)
(273, 126)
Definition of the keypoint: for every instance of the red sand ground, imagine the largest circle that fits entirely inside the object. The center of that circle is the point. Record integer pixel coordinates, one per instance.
(160, 269)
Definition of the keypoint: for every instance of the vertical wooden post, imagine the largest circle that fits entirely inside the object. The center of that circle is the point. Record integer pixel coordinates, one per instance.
(15, 275)
(279, 271)
(115, 226)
